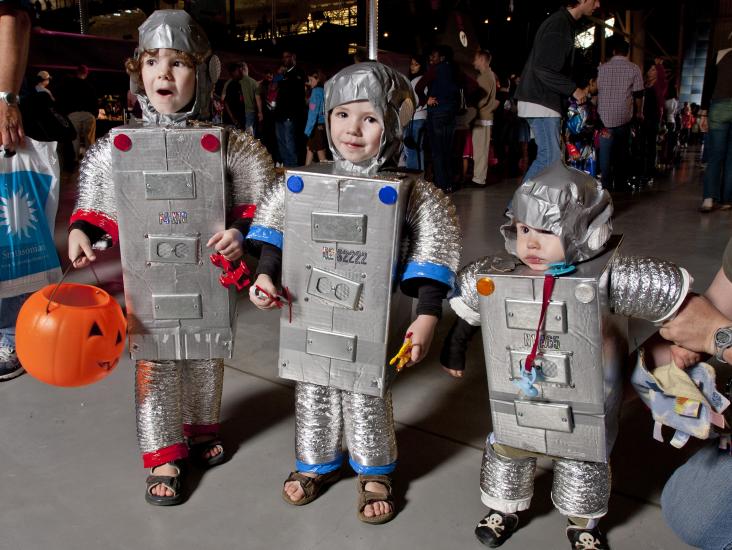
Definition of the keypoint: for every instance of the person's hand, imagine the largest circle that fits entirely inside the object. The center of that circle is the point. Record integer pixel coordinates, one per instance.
(694, 326)
(684, 358)
(228, 243)
(432, 101)
(422, 329)
(11, 126)
(454, 372)
(704, 124)
(580, 94)
(81, 253)
(262, 301)
(260, 116)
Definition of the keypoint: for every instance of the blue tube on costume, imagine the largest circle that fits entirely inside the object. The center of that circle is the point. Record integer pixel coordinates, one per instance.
(437, 272)
(324, 468)
(372, 470)
(265, 234)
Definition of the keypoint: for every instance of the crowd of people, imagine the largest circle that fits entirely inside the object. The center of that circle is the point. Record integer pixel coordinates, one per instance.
(371, 120)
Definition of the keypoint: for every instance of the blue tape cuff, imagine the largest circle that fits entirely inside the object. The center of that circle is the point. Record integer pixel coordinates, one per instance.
(438, 272)
(319, 469)
(265, 234)
(372, 470)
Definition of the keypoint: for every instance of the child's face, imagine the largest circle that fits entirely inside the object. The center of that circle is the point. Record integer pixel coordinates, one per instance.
(538, 248)
(312, 81)
(169, 80)
(356, 129)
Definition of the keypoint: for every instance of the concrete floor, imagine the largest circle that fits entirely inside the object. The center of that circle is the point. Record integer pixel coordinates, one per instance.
(71, 476)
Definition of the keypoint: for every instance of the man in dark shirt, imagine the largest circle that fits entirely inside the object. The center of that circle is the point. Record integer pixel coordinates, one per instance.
(443, 82)
(78, 100)
(289, 109)
(546, 80)
(234, 112)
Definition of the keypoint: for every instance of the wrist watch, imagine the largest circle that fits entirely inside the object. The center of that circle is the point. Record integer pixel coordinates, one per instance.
(722, 342)
(9, 98)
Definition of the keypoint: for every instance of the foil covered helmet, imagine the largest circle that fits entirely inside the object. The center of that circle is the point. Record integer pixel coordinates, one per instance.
(177, 30)
(391, 95)
(567, 202)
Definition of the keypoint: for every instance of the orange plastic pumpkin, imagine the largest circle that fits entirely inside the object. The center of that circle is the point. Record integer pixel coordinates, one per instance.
(74, 340)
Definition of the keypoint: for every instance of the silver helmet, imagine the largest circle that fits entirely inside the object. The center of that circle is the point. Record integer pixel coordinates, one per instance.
(176, 30)
(569, 203)
(391, 95)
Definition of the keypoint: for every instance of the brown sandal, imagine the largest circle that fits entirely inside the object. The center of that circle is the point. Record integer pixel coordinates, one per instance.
(311, 486)
(369, 497)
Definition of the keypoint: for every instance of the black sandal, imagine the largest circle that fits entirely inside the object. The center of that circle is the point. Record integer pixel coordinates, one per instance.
(311, 486)
(197, 453)
(170, 482)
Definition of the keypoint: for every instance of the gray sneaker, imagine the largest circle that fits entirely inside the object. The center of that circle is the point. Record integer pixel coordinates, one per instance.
(10, 366)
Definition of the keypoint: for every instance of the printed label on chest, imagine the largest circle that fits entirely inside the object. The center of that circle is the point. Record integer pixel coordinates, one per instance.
(173, 217)
(546, 341)
(345, 256)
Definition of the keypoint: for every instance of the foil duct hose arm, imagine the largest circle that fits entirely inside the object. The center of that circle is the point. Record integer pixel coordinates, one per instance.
(96, 188)
(433, 227)
(250, 168)
(647, 288)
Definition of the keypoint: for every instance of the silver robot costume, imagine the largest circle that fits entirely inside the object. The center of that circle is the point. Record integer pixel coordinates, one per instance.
(349, 234)
(160, 189)
(582, 345)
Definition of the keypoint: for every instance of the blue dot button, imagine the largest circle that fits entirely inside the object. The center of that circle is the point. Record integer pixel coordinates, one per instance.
(295, 184)
(388, 195)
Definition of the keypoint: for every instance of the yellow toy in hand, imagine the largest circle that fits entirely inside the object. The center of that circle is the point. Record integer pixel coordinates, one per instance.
(404, 354)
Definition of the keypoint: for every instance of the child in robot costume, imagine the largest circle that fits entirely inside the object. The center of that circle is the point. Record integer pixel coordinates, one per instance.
(178, 397)
(559, 222)
(367, 106)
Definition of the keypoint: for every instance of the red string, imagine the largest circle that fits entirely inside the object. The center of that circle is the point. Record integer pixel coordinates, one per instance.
(547, 295)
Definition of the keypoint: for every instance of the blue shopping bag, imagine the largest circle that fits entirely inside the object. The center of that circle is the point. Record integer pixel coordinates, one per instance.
(29, 190)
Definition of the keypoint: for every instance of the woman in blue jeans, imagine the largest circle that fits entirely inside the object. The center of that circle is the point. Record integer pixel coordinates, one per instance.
(415, 130)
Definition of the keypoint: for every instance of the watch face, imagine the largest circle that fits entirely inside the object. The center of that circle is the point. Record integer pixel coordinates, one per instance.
(723, 337)
(9, 97)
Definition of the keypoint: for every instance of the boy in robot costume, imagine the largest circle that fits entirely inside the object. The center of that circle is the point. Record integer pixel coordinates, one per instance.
(178, 398)
(559, 220)
(367, 106)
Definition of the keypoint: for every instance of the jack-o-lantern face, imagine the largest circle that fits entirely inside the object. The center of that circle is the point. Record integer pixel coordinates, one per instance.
(74, 340)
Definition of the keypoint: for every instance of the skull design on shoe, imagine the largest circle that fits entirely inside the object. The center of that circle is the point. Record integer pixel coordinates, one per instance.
(495, 528)
(586, 539)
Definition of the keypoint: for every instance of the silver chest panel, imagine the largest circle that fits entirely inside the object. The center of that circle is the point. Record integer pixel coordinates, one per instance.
(170, 199)
(341, 265)
(583, 347)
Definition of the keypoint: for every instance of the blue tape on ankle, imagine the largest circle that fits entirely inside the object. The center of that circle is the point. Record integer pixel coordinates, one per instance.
(372, 470)
(323, 468)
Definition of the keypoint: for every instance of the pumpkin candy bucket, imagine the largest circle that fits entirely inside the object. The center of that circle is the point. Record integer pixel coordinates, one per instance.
(70, 334)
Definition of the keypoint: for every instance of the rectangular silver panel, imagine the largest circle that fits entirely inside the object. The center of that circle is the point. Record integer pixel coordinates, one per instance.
(374, 310)
(338, 227)
(177, 306)
(169, 185)
(546, 416)
(555, 367)
(523, 314)
(331, 344)
(176, 249)
(334, 288)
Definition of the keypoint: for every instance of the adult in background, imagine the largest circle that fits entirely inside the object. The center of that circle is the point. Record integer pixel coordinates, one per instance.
(414, 132)
(716, 120)
(546, 80)
(289, 108)
(697, 499)
(233, 97)
(620, 88)
(252, 102)
(78, 100)
(440, 90)
(15, 23)
(484, 121)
